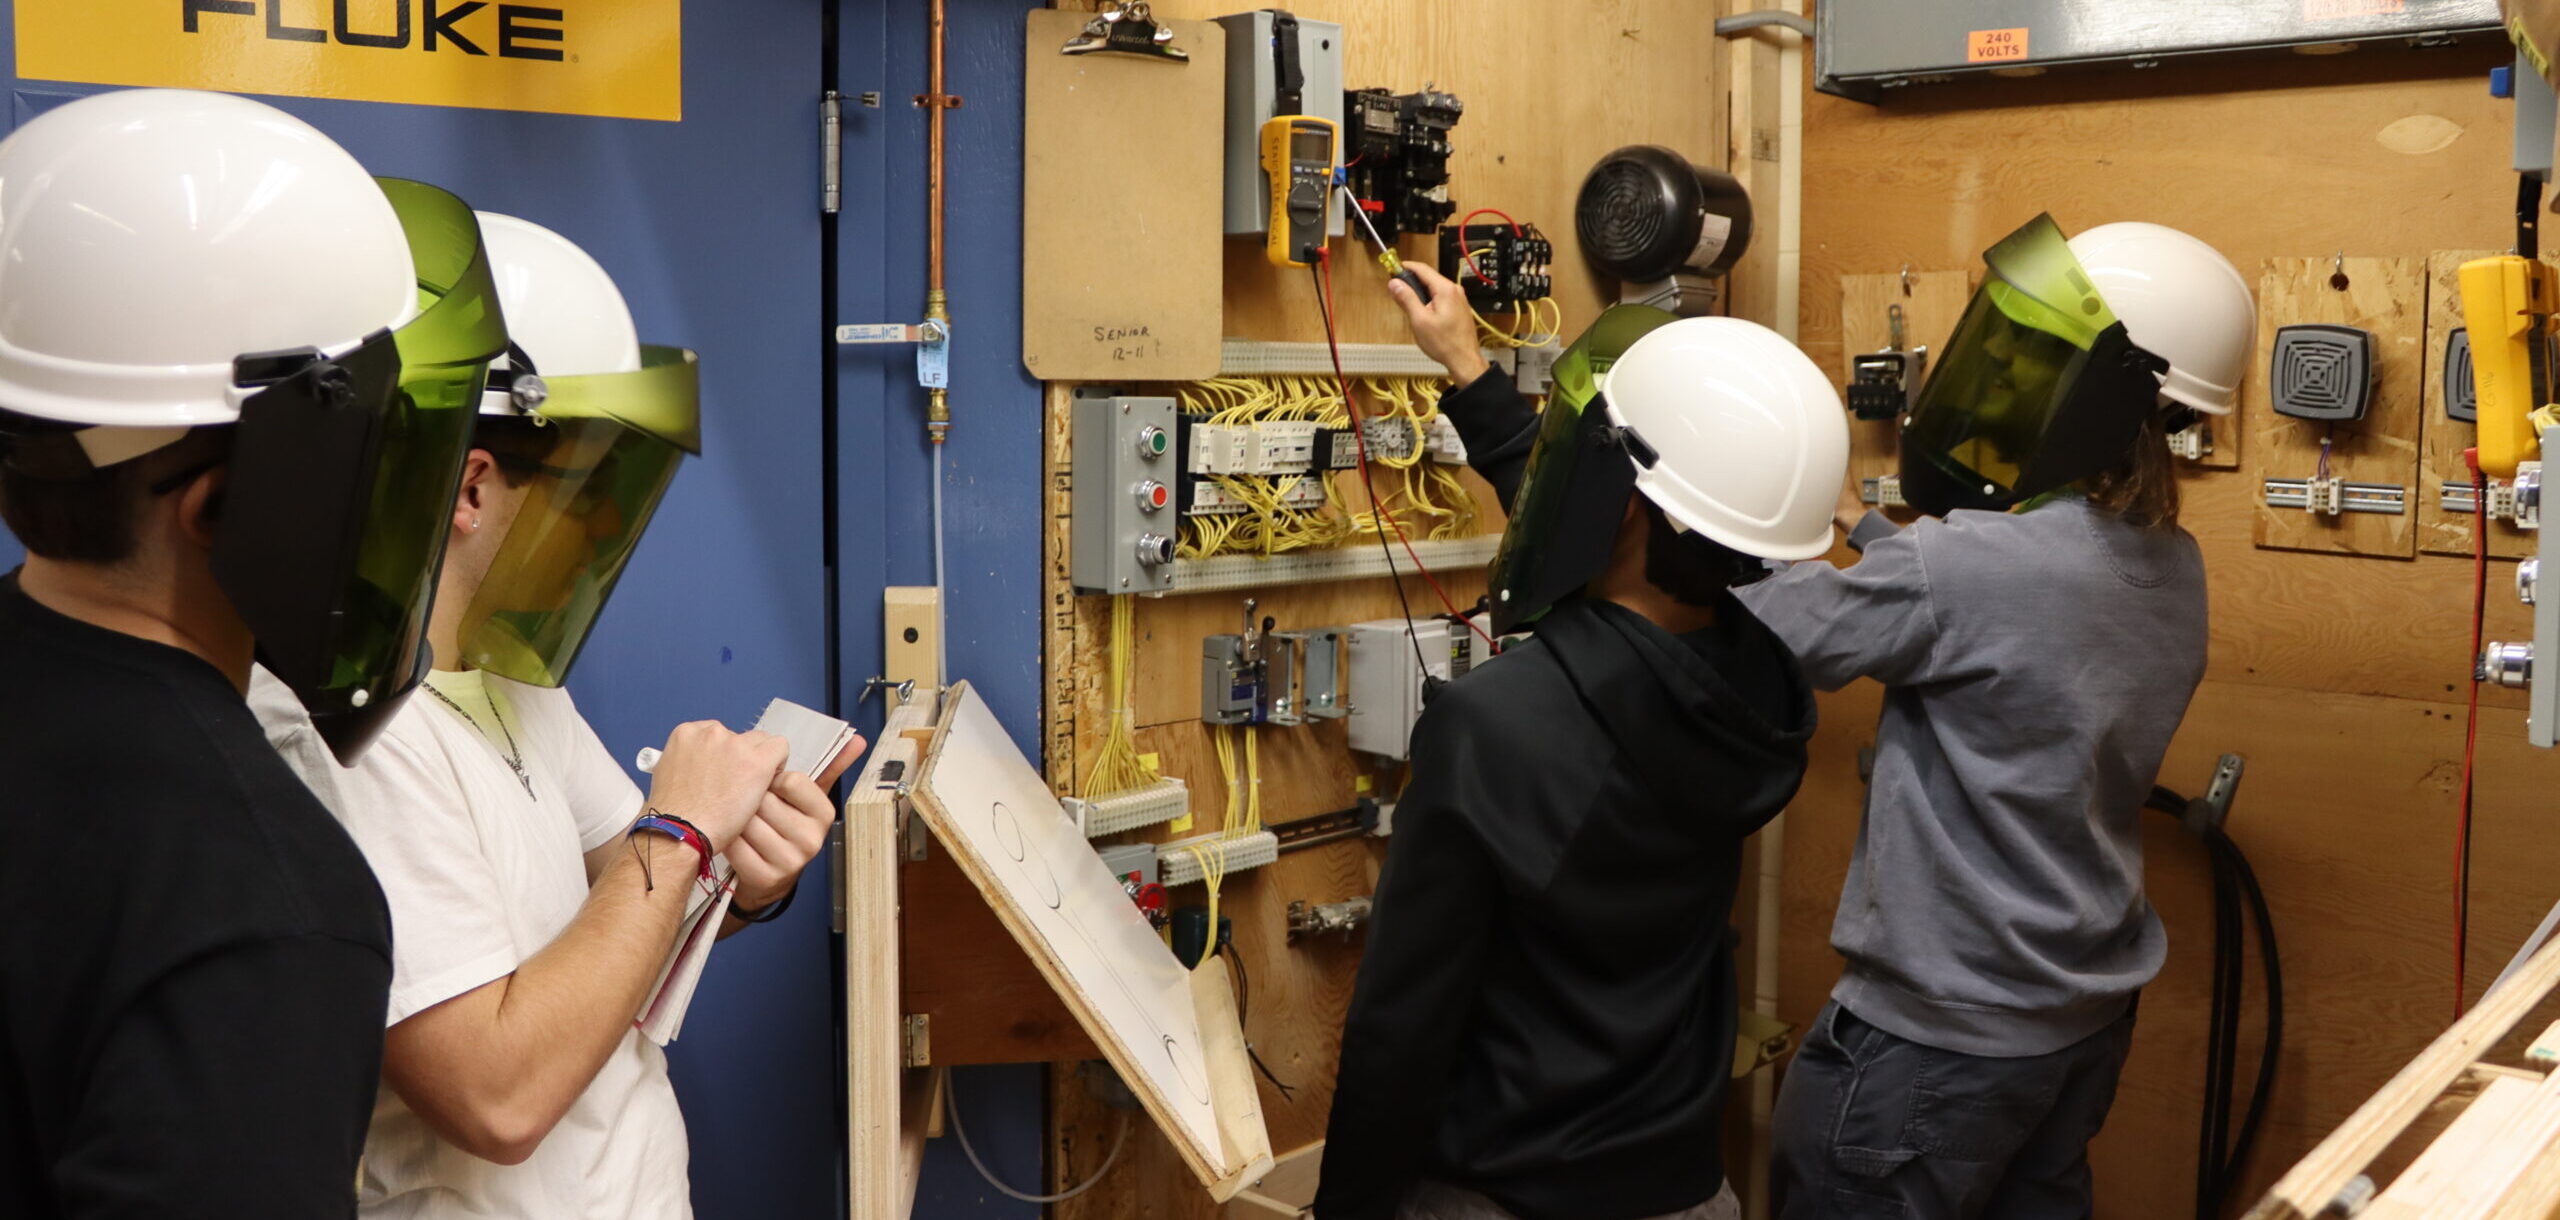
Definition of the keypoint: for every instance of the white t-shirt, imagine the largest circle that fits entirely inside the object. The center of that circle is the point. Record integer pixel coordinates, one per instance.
(481, 876)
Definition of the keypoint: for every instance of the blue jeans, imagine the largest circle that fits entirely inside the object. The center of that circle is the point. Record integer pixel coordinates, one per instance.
(1870, 1126)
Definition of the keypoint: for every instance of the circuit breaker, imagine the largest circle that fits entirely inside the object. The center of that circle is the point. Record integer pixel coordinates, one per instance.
(1390, 661)
(1395, 152)
(1127, 468)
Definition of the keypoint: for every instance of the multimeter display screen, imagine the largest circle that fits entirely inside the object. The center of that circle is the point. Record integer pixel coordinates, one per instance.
(1310, 146)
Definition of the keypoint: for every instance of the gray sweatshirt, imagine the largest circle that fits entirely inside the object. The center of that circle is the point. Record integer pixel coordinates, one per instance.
(2036, 665)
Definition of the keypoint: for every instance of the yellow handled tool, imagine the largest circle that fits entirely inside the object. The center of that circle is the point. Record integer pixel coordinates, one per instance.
(2507, 304)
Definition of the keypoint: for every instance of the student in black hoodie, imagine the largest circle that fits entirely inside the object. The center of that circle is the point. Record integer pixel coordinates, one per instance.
(1543, 1024)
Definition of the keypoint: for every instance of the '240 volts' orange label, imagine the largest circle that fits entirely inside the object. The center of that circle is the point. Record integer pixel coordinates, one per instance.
(1995, 46)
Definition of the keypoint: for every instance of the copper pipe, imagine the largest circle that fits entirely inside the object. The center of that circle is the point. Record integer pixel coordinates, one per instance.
(937, 416)
(936, 102)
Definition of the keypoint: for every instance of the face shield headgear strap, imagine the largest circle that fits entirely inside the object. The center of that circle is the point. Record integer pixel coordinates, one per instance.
(2040, 388)
(1581, 471)
(612, 442)
(343, 473)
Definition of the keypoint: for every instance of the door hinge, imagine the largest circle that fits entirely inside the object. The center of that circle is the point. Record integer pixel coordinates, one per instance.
(916, 1040)
(830, 152)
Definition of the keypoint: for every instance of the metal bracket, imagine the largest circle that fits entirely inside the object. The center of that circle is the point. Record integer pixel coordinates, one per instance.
(932, 338)
(870, 686)
(2215, 808)
(948, 101)
(830, 152)
(2332, 497)
(1126, 29)
(916, 1040)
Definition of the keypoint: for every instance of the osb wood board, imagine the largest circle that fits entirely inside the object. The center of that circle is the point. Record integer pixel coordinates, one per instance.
(1004, 829)
(2383, 296)
(1931, 302)
(2346, 811)
(1118, 227)
(1609, 73)
(2441, 532)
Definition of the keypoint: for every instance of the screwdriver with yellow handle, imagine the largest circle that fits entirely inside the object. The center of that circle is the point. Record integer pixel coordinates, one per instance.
(1386, 253)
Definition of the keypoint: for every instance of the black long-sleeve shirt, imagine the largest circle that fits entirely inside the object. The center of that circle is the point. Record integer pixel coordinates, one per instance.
(1545, 1010)
(198, 961)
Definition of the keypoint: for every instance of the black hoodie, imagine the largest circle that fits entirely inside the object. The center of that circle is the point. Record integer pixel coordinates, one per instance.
(1545, 1011)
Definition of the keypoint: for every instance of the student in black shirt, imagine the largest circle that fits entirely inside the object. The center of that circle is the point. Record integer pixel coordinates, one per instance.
(208, 429)
(1544, 1019)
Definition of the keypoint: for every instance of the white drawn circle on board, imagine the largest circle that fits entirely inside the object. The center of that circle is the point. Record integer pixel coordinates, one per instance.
(1199, 1088)
(1008, 831)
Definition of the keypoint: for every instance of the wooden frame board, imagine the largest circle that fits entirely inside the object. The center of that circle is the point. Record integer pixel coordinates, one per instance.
(1171, 1033)
(2386, 296)
(881, 1160)
(2516, 1175)
(1120, 245)
(2441, 532)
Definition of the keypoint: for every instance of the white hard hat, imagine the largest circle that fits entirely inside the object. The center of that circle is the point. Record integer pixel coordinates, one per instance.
(148, 237)
(562, 310)
(2180, 300)
(1748, 441)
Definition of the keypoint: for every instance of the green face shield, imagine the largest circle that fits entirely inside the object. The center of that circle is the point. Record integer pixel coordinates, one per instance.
(342, 476)
(2040, 386)
(614, 442)
(1575, 491)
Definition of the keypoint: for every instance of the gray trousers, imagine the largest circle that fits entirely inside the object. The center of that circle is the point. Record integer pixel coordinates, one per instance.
(1870, 1126)
(1438, 1201)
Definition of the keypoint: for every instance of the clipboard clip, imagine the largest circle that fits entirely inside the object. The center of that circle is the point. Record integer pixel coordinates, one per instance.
(1126, 29)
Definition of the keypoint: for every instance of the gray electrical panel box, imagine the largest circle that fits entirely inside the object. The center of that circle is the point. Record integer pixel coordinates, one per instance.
(1386, 685)
(1253, 85)
(1127, 477)
(1862, 47)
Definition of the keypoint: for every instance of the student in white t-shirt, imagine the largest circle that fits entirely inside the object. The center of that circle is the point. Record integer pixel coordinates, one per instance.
(535, 891)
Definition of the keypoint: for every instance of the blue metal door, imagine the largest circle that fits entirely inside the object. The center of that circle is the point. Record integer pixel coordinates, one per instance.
(710, 225)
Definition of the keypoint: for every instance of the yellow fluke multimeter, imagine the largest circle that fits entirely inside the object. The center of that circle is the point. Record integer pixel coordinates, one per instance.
(2507, 303)
(1298, 153)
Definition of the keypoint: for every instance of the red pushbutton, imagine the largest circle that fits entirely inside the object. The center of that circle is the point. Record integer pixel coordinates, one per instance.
(1154, 496)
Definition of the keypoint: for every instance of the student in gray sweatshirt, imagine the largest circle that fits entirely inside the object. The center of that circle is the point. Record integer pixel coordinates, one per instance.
(2039, 636)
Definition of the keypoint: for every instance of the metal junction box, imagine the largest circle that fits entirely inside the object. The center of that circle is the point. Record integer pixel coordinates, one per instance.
(1253, 80)
(1863, 47)
(1127, 471)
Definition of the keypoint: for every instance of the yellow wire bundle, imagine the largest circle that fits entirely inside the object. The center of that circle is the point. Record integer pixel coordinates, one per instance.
(1117, 767)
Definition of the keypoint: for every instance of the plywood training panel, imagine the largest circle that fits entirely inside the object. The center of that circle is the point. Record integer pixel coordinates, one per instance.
(1931, 302)
(2383, 296)
(2340, 678)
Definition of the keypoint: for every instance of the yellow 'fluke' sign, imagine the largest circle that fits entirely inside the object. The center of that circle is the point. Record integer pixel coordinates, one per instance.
(614, 58)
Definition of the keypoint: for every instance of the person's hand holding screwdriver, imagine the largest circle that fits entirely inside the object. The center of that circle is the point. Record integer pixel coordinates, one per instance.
(1444, 328)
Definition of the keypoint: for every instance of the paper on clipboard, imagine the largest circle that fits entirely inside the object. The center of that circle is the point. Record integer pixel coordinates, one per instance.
(816, 738)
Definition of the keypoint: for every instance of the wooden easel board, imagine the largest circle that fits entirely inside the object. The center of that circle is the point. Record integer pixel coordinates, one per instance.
(1175, 1042)
(2386, 296)
(2441, 532)
(1120, 242)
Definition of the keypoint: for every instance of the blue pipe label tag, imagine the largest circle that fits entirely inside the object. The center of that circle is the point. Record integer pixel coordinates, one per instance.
(933, 362)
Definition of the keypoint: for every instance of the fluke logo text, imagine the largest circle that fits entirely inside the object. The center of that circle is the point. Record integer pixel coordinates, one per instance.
(470, 27)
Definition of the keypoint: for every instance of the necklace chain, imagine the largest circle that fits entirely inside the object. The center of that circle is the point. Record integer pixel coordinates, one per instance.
(514, 756)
